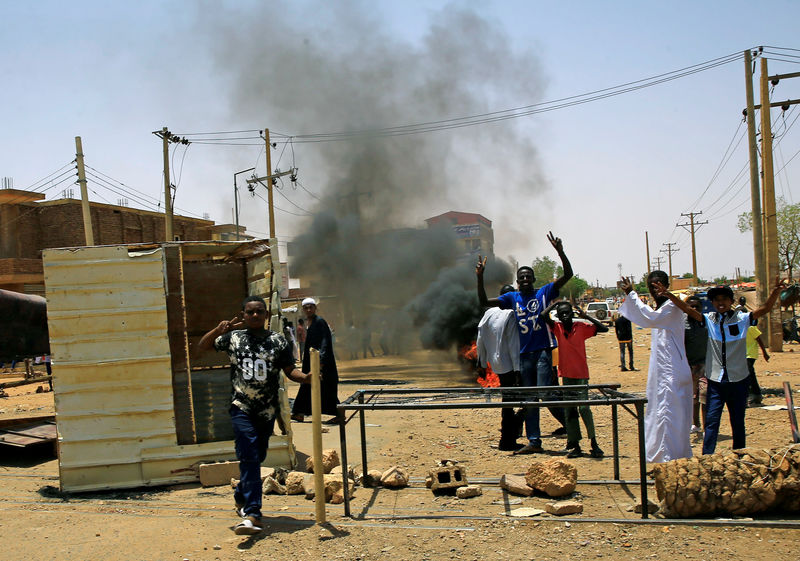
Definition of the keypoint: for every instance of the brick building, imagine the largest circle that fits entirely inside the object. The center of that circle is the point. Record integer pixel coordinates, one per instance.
(28, 224)
(474, 230)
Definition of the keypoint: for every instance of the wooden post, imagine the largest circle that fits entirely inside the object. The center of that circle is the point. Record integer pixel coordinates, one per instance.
(269, 186)
(165, 134)
(773, 323)
(755, 189)
(87, 216)
(316, 431)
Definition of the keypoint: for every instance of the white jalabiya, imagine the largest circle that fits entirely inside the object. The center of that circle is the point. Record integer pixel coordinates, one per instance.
(668, 413)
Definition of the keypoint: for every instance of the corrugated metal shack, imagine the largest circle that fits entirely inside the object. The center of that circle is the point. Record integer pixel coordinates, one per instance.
(134, 404)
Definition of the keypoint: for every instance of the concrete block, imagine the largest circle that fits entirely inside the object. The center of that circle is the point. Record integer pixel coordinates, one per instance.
(219, 473)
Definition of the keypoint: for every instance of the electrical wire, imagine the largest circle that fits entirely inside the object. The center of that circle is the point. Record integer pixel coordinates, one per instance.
(279, 208)
(489, 117)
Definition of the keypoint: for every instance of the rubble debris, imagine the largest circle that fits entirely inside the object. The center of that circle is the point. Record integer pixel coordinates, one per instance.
(554, 477)
(372, 478)
(469, 491)
(515, 484)
(334, 489)
(271, 485)
(394, 477)
(330, 459)
(446, 477)
(217, 473)
(297, 482)
(562, 508)
(733, 482)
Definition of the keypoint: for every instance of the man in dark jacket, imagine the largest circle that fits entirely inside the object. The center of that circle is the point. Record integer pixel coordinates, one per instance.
(624, 331)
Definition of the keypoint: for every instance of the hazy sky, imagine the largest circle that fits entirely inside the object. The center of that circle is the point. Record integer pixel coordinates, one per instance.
(597, 174)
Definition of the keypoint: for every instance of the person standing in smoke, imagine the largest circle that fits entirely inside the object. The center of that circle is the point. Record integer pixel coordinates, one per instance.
(318, 336)
(498, 347)
(535, 337)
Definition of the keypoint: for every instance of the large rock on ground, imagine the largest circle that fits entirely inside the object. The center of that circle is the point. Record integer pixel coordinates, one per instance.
(553, 477)
(394, 477)
(330, 459)
(334, 490)
(515, 484)
(297, 482)
(372, 478)
(271, 485)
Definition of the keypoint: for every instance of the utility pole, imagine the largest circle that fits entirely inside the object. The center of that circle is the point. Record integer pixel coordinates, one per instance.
(167, 137)
(167, 187)
(669, 251)
(755, 190)
(87, 215)
(774, 330)
(236, 199)
(270, 184)
(657, 265)
(693, 227)
(647, 245)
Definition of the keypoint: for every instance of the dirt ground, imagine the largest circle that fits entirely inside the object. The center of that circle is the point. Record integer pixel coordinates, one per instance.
(191, 522)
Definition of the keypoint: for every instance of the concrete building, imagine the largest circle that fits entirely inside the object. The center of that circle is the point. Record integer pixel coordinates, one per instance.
(474, 230)
(29, 224)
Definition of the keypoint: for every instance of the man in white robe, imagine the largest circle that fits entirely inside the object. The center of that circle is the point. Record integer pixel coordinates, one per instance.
(668, 413)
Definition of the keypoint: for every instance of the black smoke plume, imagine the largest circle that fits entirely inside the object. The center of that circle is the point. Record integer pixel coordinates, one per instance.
(323, 67)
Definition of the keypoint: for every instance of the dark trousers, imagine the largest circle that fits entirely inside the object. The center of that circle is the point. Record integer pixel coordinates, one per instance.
(720, 394)
(629, 345)
(251, 435)
(509, 422)
(754, 388)
(536, 369)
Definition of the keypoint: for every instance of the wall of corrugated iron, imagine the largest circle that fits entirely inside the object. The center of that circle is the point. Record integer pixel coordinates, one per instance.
(112, 372)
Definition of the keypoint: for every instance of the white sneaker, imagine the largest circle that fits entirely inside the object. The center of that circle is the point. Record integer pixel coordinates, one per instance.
(248, 526)
(695, 429)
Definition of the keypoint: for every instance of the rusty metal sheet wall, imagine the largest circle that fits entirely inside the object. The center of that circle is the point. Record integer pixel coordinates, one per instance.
(113, 382)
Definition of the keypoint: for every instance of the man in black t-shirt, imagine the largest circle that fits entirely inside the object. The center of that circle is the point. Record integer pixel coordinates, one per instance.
(257, 358)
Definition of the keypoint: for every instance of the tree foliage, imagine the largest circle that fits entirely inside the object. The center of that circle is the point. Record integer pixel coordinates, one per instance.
(788, 233)
(547, 270)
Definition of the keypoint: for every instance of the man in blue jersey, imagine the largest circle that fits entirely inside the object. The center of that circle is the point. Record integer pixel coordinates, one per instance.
(535, 337)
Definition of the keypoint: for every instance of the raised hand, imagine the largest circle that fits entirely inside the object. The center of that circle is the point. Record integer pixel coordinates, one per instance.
(625, 285)
(231, 324)
(481, 266)
(555, 242)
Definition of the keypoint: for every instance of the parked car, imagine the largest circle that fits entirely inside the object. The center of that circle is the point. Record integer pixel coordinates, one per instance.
(602, 312)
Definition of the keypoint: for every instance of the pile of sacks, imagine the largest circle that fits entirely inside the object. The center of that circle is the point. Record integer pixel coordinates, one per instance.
(735, 482)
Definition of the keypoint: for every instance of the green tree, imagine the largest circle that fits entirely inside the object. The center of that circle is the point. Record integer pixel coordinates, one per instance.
(788, 233)
(574, 288)
(545, 269)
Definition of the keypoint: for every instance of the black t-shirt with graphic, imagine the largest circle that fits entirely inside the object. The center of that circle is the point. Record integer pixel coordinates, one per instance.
(256, 363)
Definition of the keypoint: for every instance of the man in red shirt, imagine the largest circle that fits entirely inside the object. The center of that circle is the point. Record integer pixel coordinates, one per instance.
(574, 370)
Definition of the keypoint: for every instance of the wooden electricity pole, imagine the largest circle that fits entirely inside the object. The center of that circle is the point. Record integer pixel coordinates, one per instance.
(647, 246)
(165, 134)
(657, 265)
(87, 215)
(774, 330)
(669, 251)
(693, 227)
(270, 181)
(755, 190)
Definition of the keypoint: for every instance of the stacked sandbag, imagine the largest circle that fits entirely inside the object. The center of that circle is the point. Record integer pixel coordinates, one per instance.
(734, 482)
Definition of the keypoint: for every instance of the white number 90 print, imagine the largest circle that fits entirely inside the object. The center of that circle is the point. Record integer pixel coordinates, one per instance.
(254, 369)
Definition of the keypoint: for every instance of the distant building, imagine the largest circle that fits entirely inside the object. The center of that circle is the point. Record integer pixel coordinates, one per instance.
(29, 224)
(475, 231)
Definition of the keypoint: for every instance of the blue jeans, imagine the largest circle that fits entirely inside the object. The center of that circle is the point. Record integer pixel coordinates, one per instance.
(720, 394)
(536, 369)
(251, 436)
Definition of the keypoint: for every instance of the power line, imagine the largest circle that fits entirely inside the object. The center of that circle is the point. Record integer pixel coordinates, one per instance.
(485, 118)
